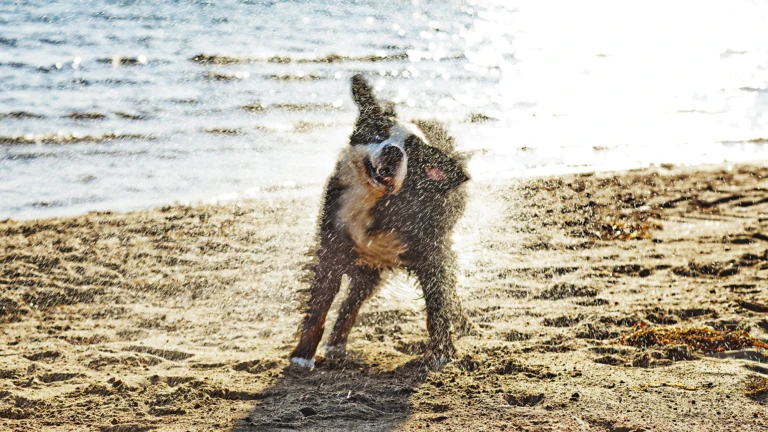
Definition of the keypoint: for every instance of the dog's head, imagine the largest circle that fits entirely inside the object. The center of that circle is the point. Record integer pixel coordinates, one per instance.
(390, 153)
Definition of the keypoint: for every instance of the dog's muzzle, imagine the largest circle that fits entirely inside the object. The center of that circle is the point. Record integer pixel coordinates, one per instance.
(385, 169)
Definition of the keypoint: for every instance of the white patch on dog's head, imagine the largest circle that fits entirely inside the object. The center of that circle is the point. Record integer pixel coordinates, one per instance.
(398, 134)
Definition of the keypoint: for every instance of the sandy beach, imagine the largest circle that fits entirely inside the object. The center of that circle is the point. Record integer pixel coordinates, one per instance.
(605, 302)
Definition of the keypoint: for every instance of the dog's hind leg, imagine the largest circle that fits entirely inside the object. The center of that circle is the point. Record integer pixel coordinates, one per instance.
(438, 281)
(462, 325)
(362, 284)
(325, 286)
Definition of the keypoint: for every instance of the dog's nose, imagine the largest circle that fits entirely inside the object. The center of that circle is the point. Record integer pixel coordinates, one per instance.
(389, 161)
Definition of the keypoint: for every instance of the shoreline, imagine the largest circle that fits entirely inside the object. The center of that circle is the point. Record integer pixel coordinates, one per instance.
(181, 317)
(295, 190)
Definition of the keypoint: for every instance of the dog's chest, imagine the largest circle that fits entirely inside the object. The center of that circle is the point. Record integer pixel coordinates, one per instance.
(374, 248)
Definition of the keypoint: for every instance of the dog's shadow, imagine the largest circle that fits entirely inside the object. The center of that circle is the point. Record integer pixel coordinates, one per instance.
(341, 395)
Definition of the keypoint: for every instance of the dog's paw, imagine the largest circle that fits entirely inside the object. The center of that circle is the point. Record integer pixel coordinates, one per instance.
(441, 355)
(307, 363)
(334, 352)
(438, 362)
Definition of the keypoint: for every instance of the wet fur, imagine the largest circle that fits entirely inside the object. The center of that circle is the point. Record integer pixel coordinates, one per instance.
(364, 230)
(374, 248)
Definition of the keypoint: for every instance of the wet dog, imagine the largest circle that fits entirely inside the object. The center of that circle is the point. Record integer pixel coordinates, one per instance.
(391, 203)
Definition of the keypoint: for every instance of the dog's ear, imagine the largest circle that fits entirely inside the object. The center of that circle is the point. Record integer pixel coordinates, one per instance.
(437, 134)
(439, 169)
(362, 94)
(447, 174)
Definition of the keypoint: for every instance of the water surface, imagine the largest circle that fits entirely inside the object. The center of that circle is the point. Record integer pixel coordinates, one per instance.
(114, 105)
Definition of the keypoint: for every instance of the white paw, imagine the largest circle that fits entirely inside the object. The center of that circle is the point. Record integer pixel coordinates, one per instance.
(307, 363)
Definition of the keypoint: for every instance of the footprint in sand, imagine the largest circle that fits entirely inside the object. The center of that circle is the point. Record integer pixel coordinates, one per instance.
(166, 354)
(46, 356)
(57, 376)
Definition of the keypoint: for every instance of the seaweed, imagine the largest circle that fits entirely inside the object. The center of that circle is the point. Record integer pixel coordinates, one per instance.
(699, 338)
(627, 229)
(757, 388)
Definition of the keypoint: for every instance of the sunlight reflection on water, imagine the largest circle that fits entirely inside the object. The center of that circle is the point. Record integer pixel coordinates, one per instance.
(231, 100)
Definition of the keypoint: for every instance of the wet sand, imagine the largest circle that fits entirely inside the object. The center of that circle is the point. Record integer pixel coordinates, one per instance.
(181, 318)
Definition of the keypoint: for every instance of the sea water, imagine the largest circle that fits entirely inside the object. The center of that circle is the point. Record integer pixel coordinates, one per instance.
(118, 105)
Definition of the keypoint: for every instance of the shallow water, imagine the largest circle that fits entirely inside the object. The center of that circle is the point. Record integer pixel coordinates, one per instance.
(110, 105)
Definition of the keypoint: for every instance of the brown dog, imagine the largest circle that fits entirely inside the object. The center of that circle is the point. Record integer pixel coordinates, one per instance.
(392, 202)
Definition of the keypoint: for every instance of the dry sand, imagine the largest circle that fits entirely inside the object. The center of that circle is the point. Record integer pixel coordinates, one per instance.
(181, 318)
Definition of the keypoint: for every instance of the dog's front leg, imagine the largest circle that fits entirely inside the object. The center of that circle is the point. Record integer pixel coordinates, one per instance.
(325, 286)
(438, 280)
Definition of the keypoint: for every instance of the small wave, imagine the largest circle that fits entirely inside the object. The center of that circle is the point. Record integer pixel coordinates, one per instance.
(729, 52)
(15, 65)
(73, 83)
(119, 82)
(418, 55)
(20, 115)
(306, 106)
(218, 76)
(124, 61)
(61, 203)
(224, 131)
(760, 140)
(190, 101)
(297, 77)
(27, 156)
(120, 153)
(128, 116)
(129, 17)
(53, 41)
(303, 126)
(85, 116)
(69, 138)
(480, 118)
(8, 42)
(256, 107)
(59, 66)
(330, 58)
(259, 107)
